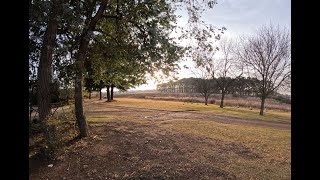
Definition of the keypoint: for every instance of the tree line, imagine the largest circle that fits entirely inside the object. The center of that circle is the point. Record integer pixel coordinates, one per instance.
(264, 57)
(241, 86)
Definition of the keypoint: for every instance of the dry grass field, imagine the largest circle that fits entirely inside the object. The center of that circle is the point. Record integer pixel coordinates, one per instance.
(154, 139)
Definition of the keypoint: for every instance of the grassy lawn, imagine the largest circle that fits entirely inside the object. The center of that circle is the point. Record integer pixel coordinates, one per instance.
(253, 114)
(271, 148)
(247, 152)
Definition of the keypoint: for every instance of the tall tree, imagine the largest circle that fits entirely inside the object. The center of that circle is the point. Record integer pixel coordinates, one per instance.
(205, 85)
(266, 56)
(45, 64)
(86, 35)
(203, 58)
(227, 67)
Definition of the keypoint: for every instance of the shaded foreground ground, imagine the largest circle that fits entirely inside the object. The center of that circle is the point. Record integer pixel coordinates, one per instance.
(144, 143)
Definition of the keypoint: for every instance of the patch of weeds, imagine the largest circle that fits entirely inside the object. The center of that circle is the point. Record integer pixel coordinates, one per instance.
(34, 128)
(60, 131)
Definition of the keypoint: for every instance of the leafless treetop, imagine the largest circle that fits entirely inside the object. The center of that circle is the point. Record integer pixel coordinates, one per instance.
(267, 56)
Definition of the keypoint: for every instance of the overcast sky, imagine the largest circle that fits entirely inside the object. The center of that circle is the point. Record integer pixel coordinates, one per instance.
(240, 17)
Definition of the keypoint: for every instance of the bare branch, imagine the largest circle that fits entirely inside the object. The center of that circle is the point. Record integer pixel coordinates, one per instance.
(267, 55)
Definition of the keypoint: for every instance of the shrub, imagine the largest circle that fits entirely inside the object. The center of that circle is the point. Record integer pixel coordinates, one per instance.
(212, 101)
(235, 95)
(34, 128)
(282, 99)
(62, 130)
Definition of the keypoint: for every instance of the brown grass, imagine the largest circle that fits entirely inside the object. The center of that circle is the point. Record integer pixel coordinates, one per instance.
(246, 102)
(270, 148)
(215, 109)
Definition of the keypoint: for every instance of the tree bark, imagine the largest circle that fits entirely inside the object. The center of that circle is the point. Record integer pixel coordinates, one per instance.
(67, 101)
(222, 99)
(85, 38)
(81, 120)
(108, 93)
(44, 71)
(263, 99)
(111, 97)
(206, 99)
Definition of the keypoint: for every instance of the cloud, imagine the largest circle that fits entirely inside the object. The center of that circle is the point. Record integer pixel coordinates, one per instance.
(244, 16)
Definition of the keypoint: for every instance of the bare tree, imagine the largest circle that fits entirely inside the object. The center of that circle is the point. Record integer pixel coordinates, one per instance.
(226, 68)
(203, 59)
(266, 56)
(204, 83)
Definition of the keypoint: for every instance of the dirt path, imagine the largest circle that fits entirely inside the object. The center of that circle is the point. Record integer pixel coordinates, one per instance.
(128, 150)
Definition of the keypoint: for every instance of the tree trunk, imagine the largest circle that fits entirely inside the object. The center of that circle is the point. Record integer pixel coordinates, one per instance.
(100, 93)
(262, 105)
(44, 71)
(222, 99)
(89, 94)
(81, 119)
(67, 100)
(90, 24)
(108, 93)
(206, 99)
(111, 97)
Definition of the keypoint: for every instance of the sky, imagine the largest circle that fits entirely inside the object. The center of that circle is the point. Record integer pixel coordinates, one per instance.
(239, 17)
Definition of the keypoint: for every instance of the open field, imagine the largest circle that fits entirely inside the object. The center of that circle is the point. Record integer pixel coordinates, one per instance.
(154, 139)
(242, 113)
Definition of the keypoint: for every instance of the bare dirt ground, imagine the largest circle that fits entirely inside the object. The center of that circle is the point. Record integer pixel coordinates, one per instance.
(133, 150)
